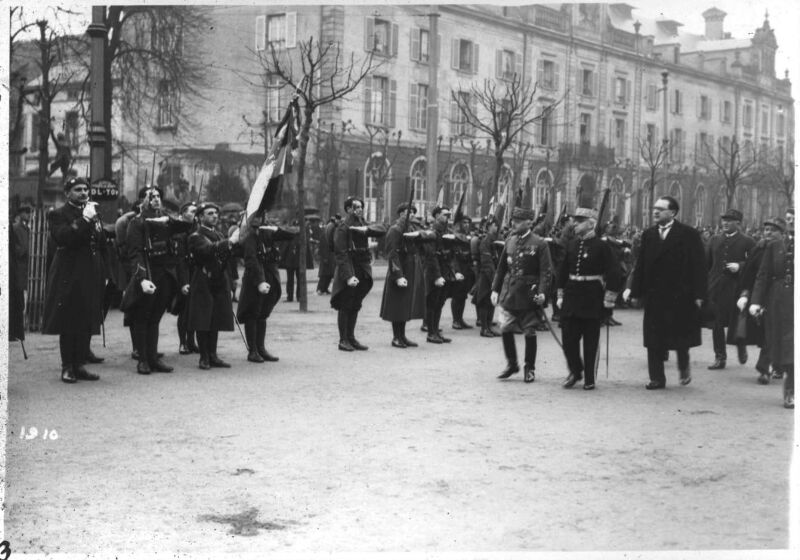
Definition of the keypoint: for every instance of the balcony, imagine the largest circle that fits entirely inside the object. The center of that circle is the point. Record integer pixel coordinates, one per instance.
(586, 155)
(550, 19)
(623, 39)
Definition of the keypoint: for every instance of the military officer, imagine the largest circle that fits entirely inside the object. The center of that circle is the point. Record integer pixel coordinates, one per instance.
(588, 283)
(462, 261)
(522, 279)
(486, 265)
(438, 272)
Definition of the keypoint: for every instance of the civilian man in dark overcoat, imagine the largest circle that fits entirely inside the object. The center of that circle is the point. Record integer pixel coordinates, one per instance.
(73, 307)
(261, 284)
(670, 276)
(521, 282)
(726, 255)
(210, 308)
(404, 290)
(773, 300)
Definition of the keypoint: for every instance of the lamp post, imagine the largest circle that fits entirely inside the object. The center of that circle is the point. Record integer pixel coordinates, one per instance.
(665, 145)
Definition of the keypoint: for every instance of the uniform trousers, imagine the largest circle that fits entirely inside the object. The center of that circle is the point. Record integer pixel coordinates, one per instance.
(147, 316)
(434, 303)
(573, 330)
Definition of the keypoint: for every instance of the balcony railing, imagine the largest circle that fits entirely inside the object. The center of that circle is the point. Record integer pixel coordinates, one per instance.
(551, 19)
(586, 155)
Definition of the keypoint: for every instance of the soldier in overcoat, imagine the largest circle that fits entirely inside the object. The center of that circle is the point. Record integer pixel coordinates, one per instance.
(186, 338)
(210, 308)
(261, 284)
(438, 272)
(327, 262)
(589, 281)
(353, 278)
(773, 300)
(486, 265)
(463, 264)
(73, 307)
(671, 277)
(523, 276)
(726, 255)
(403, 292)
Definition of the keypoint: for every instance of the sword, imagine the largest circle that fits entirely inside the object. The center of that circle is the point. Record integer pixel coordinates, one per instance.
(608, 335)
(24, 353)
(543, 317)
(235, 320)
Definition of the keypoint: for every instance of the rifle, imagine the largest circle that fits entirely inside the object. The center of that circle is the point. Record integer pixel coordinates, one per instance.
(154, 167)
(599, 226)
(458, 215)
(408, 209)
(542, 213)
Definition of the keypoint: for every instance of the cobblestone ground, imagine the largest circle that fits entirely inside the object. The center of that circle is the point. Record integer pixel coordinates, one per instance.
(389, 450)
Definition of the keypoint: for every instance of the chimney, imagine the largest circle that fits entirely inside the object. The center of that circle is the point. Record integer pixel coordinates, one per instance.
(714, 18)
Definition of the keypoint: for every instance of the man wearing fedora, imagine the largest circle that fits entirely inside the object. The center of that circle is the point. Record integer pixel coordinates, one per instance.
(671, 277)
(520, 283)
(726, 255)
(588, 282)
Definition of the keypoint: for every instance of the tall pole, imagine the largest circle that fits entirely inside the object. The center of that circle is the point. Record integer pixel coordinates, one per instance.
(98, 135)
(664, 78)
(433, 104)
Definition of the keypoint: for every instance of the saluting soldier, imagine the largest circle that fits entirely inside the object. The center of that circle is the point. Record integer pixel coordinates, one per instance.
(73, 307)
(486, 265)
(186, 340)
(353, 278)
(462, 261)
(210, 308)
(522, 279)
(588, 281)
(404, 292)
(261, 284)
(726, 255)
(159, 271)
(438, 273)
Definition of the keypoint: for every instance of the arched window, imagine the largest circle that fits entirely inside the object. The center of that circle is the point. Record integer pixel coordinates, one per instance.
(377, 182)
(418, 174)
(505, 185)
(700, 204)
(544, 179)
(676, 192)
(460, 181)
(720, 205)
(616, 199)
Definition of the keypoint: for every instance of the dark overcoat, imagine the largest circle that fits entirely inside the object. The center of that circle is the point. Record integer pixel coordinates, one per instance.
(486, 259)
(261, 258)
(76, 279)
(524, 263)
(437, 260)
(210, 289)
(327, 262)
(747, 279)
(402, 304)
(669, 276)
(353, 258)
(774, 290)
(722, 294)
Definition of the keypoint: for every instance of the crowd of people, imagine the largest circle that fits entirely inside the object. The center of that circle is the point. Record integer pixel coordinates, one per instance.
(185, 261)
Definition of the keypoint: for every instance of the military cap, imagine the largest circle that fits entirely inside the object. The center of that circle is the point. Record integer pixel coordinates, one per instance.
(439, 209)
(778, 223)
(75, 181)
(205, 206)
(404, 206)
(732, 215)
(523, 214)
(144, 190)
(186, 205)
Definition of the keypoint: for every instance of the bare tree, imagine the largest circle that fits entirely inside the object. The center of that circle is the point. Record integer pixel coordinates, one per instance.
(381, 163)
(776, 172)
(510, 107)
(735, 163)
(329, 139)
(653, 154)
(319, 74)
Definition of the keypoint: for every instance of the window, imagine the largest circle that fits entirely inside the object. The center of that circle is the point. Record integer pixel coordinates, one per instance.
(585, 128)
(275, 99)
(166, 105)
(418, 106)
(459, 179)
(420, 45)
(34, 133)
(71, 129)
(464, 56)
(651, 97)
(381, 34)
(747, 115)
(278, 31)
(622, 90)
(700, 203)
(704, 143)
(765, 120)
(619, 137)
(726, 111)
(651, 136)
(460, 126)
(705, 107)
(587, 82)
(546, 130)
(418, 175)
(780, 122)
(507, 64)
(380, 101)
(677, 145)
(547, 74)
(380, 37)
(677, 102)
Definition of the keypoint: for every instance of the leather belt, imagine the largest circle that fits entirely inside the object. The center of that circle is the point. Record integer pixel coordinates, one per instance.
(590, 278)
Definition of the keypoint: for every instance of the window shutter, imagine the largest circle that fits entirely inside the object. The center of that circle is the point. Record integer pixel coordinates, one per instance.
(540, 73)
(672, 101)
(627, 91)
(710, 109)
(392, 103)
(454, 114)
(367, 99)
(697, 152)
(395, 33)
(415, 49)
(475, 58)
(556, 76)
(369, 34)
(413, 97)
(261, 32)
(291, 30)
(595, 83)
(552, 133)
(680, 102)
(498, 60)
(710, 146)
(683, 146)
(518, 65)
(454, 59)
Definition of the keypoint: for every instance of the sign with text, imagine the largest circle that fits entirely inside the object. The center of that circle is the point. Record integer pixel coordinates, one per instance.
(104, 190)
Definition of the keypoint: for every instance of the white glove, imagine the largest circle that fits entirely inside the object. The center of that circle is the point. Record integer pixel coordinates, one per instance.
(756, 310)
(448, 236)
(494, 297)
(741, 303)
(362, 229)
(352, 282)
(538, 299)
(626, 295)
(411, 234)
(263, 288)
(733, 267)
(560, 302)
(439, 282)
(90, 210)
(234, 238)
(148, 287)
(159, 220)
(401, 283)
(185, 289)
(459, 276)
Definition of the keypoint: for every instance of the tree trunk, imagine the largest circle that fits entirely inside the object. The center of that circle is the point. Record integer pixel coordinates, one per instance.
(300, 166)
(44, 112)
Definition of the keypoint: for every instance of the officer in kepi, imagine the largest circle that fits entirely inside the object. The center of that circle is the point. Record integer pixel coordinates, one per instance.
(588, 282)
(520, 283)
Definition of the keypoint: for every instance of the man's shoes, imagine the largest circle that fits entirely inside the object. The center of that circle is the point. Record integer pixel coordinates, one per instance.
(763, 378)
(529, 375)
(571, 380)
(777, 374)
(718, 364)
(397, 343)
(81, 373)
(67, 375)
(214, 361)
(457, 326)
(254, 357)
(788, 401)
(741, 352)
(686, 377)
(652, 386)
(204, 364)
(488, 333)
(588, 386)
(409, 343)
(135, 355)
(510, 370)
(266, 356)
(143, 368)
(192, 347)
(464, 325)
(92, 359)
(444, 338)
(357, 345)
(160, 367)
(183, 350)
(345, 346)
(435, 339)
(424, 327)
